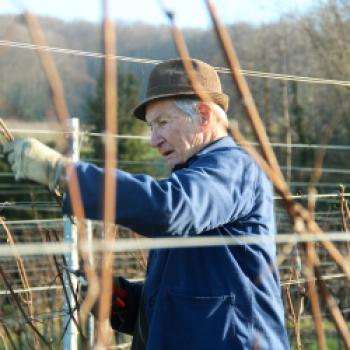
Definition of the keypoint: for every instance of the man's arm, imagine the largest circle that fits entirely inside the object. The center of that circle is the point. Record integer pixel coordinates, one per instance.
(30, 159)
(191, 201)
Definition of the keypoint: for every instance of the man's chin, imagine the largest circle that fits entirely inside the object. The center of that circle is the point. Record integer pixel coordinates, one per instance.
(171, 165)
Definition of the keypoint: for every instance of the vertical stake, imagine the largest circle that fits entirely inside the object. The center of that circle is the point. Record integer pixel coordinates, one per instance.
(91, 319)
(70, 340)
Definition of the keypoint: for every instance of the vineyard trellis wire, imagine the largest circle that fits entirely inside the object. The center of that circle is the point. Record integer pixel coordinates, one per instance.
(297, 213)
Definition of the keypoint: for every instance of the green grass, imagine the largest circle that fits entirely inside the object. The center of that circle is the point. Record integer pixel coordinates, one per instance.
(308, 335)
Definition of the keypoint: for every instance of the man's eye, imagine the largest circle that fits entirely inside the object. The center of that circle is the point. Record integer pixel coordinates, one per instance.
(162, 123)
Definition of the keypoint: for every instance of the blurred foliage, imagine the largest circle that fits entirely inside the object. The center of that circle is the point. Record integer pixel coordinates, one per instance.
(315, 44)
(134, 155)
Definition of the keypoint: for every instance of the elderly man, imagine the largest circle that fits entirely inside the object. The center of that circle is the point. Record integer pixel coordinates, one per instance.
(223, 297)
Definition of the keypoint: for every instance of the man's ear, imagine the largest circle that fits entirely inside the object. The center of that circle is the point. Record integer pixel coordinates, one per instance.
(204, 111)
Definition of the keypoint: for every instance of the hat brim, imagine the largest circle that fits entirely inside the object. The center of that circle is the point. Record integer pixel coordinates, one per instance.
(140, 110)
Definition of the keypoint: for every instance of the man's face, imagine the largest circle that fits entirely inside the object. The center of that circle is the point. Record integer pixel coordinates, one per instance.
(176, 136)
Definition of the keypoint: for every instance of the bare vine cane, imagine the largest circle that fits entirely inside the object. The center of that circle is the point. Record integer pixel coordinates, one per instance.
(343, 207)
(61, 108)
(110, 184)
(23, 275)
(296, 305)
(300, 216)
(8, 137)
(20, 308)
(303, 222)
(184, 53)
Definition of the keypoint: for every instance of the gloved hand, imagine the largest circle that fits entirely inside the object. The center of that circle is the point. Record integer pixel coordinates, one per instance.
(119, 296)
(30, 159)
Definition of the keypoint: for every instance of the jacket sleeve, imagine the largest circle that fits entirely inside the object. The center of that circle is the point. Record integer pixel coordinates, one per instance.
(189, 202)
(124, 321)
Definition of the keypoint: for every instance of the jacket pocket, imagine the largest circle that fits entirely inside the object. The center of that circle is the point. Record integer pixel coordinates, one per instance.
(200, 322)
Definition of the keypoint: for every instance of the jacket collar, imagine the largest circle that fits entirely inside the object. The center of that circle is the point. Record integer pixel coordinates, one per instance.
(226, 141)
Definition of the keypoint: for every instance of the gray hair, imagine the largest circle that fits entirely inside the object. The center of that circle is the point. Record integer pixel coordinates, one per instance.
(188, 106)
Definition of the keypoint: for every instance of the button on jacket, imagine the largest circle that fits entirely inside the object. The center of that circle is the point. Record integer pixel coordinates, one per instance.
(206, 298)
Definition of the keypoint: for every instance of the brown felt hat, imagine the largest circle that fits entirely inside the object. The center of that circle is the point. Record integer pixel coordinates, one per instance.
(169, 79)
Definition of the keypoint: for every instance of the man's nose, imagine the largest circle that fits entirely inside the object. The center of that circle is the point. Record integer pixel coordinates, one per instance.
(156, 138)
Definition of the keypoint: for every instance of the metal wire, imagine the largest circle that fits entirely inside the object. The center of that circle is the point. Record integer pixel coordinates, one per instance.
(250, 73)
(32, 289)
(126, 245)
(146, 138)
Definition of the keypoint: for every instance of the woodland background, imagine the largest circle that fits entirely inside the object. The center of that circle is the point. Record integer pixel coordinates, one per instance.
(316, 44)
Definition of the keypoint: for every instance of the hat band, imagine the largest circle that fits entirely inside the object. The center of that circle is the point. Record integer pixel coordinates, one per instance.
(176, 90)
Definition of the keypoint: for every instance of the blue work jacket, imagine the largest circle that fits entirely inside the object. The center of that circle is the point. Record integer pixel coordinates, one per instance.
(211, 298)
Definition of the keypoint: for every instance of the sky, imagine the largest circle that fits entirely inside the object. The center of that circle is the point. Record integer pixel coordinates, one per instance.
(189, 13)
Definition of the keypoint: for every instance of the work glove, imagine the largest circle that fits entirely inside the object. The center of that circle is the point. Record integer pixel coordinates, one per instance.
(32, 160)
(119, 296)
